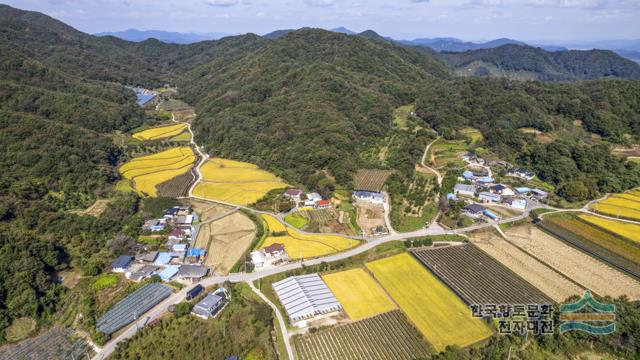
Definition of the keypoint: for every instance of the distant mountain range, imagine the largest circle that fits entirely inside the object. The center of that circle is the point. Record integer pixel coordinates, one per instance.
(629, 49)
(164, 36)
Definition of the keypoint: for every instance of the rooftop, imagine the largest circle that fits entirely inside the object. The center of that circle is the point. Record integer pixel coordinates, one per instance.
(305, 296)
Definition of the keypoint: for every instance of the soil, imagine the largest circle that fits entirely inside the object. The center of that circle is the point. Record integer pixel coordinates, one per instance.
(369, 216)
(95, 209)
(538, 274)
(576, 265)
(228, 239)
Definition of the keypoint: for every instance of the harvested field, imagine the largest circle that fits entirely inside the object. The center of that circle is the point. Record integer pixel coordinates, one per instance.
(176, 187)
(533, 271)
(382, 337)
(477, 278)
(360, 296)
(595, 241)
(303, 245)
(321, 215)
(226, 240)
(96, 208)
(435, 310)
(148, 171)
(235, 182)
(583, 269)
(371, 180)
(159, 133)
(369, 216)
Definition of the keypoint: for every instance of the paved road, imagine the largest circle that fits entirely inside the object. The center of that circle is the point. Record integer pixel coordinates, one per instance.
(283, 325)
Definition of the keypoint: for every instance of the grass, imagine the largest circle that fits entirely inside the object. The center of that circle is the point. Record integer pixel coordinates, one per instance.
(150, 240)
(160, 132)
(296, 220)
(360, 296)
(235, 182)
(148, 171)
(473, 134)
(434, 309)
(105, 281)
(626, 230)
(20, 329)
(301, 245)
(401, 114)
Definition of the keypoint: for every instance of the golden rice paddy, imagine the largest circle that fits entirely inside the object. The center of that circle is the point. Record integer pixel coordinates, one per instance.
(626, 230)
(160, 132)
(148, 171)
(235, 182)
(300, 245)
(435, 310)
(359, 294)
(626, 205)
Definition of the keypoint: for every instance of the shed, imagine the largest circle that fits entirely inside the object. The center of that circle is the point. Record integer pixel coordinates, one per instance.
(523, 190)
(163, 259)
(169, 272)
(305, 296)
(468, 175)
(464, 189)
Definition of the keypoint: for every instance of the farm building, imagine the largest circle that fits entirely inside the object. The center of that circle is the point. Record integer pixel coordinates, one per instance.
(305, 297)
(121, 263)
(523, 190)
(452, 196)
(464, 190)
(539, 193)
(132, 307)
(519, 204)
(374, 197)
(184, 220)
(194, 291)
(473, 209)
(192, 272)
(468, 175)
(163, 258)
(488, 197)
(294, 194)
(490, 215)
(169, 272)
(257, 259)
(210, 305)
(485, 180)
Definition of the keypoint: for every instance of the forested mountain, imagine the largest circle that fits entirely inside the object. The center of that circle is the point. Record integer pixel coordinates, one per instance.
(164, 36)
(525, 62)
(456, 45)
(306, 102)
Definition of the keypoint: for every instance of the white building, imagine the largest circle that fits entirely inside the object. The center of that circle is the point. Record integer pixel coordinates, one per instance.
(464, 189)
(304, 297)
(257, 258)
(370, 196)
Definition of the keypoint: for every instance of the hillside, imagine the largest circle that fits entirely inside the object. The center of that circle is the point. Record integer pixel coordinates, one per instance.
(298, 104)
(529, 63)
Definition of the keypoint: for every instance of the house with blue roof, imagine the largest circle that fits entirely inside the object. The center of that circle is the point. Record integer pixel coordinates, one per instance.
(523, 190)
(169, 272)
(468, 175)
(163, 258)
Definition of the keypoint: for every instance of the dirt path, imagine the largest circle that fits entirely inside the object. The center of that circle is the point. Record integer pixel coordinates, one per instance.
(538, 274)
(573, 263)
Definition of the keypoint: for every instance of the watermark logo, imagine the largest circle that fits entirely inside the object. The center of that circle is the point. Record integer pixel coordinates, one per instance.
(588, 315)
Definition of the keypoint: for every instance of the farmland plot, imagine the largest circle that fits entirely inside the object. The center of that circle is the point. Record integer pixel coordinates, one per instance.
(159, 133)
(533, 271)
(235, 182)
(576, 265)
(625, 205)
(626, 230)
(226, 241)
(435, 310)
(176, 187)
(382, 337)
(371, 180)
(304, 245)
(593, 240)
(478, 278)
(369, 216)
(149, 171)
(359, 295)
(53, 344)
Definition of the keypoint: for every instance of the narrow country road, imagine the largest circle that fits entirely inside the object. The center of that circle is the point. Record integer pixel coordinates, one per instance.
(283, 325)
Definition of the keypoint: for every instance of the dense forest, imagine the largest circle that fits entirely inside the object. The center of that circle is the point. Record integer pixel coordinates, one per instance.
(306, 106)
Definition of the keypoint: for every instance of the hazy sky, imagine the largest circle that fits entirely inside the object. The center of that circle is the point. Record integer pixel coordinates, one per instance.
(466, 19)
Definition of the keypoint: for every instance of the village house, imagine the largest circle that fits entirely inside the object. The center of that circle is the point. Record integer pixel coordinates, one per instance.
(147, 257)
(502, 190)
(323, 204)
(192, 273)
(210, 305)
(464, 190)
(257, 259)
(488, 197)
(473, 210)
(521, 173)
(142, 273)
(519, 204)
(121, 264)
(374, 197)
(294, 194)
(154, 225)
(176, 235)
(468, 175)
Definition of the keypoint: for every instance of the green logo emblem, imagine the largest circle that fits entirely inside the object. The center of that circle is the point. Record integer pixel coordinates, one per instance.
(588, 315)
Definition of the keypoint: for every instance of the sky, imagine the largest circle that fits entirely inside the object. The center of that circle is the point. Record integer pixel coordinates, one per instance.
(568, 20)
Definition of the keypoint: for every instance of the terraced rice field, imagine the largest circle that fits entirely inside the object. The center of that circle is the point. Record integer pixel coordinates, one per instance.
(300, 245)
(626, 230)
(382, 337)
(360, 296)
(434, 309)
(235, 182)
(146, 172)
(176, 187)
(477, 278)
(533, 271)
(573, 263)
(626, 205)
(162, 132)
(595, 241)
